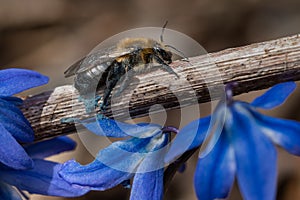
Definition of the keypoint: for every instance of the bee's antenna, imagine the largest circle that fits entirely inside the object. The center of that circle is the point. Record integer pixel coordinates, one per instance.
(178, 51)
(162, 32)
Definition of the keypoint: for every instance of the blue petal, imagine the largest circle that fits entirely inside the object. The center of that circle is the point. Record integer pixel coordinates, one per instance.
(50, 147)
(95, 175)
(7, 192)
(274, 96)
(115, 163)
(255, 155)
(215, 172)
(148, 185)
(12, 100)
(14, 122)
(148, 181)
(11, 152)
(155, 151)
(42, 179)
(216, 127)
(285, 133)
(191, 136)
(112, 128)
(14, 81)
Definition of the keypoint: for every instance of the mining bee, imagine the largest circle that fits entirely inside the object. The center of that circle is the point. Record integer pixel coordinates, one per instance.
(119, 63)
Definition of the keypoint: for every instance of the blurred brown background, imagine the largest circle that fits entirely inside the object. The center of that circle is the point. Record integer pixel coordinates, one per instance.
(49, 35)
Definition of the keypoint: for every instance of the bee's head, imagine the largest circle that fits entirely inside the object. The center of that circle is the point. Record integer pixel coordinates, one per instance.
(164, 54)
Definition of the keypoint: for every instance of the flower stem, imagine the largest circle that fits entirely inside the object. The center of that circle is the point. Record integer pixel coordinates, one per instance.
(173, 167)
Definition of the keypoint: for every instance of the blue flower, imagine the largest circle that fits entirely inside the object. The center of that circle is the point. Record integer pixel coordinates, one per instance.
(242, 146)
(43, 178)
(14, 127)
(139, 156)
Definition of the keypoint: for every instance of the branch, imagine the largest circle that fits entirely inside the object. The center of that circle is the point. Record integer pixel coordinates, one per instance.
(254, 67)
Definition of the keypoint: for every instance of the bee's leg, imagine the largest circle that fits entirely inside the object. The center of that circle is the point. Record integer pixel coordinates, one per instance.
(97, 100)
(125, 81)
(114, 75)
(165, 66)
(111, 82)
(109, 87)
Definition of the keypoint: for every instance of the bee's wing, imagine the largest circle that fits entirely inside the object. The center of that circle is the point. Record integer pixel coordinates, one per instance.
(73, 69)
(95, 58)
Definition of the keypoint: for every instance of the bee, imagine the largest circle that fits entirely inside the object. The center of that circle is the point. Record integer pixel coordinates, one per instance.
(106, 68)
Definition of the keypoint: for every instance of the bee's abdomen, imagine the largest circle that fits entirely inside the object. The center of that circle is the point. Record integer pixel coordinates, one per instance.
(87, 82)
(97, 70)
